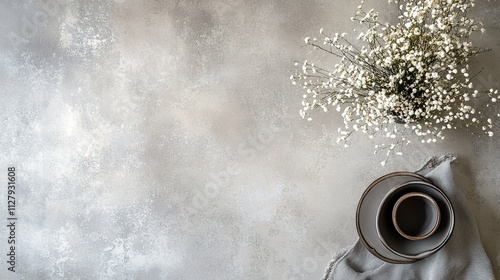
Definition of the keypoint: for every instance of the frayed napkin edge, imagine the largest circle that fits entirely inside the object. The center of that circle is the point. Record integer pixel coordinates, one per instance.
(335, 260)
(434, 162)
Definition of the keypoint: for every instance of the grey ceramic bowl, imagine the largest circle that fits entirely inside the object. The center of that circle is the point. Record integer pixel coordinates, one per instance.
(414, 249)
(416, 216)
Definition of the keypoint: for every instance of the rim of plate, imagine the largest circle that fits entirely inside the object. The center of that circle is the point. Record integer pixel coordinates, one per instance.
(363, 196)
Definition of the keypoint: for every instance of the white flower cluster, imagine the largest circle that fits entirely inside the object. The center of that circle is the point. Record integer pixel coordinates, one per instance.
(409, 76)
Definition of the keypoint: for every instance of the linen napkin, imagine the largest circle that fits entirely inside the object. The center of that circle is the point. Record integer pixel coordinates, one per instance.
(463, 256)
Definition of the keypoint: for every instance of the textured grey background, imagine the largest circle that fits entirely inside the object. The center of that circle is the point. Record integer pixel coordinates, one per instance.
(162, 140)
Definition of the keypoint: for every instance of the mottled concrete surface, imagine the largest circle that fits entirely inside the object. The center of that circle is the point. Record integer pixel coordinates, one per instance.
(162, 140)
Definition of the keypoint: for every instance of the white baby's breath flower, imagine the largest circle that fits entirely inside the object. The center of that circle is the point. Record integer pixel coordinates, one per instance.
(408, 77)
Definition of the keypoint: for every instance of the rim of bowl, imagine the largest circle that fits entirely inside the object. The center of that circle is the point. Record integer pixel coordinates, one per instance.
(402, 199)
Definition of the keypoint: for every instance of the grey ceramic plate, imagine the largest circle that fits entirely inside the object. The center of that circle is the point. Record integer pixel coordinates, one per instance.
(367, 212)
(415, 249)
